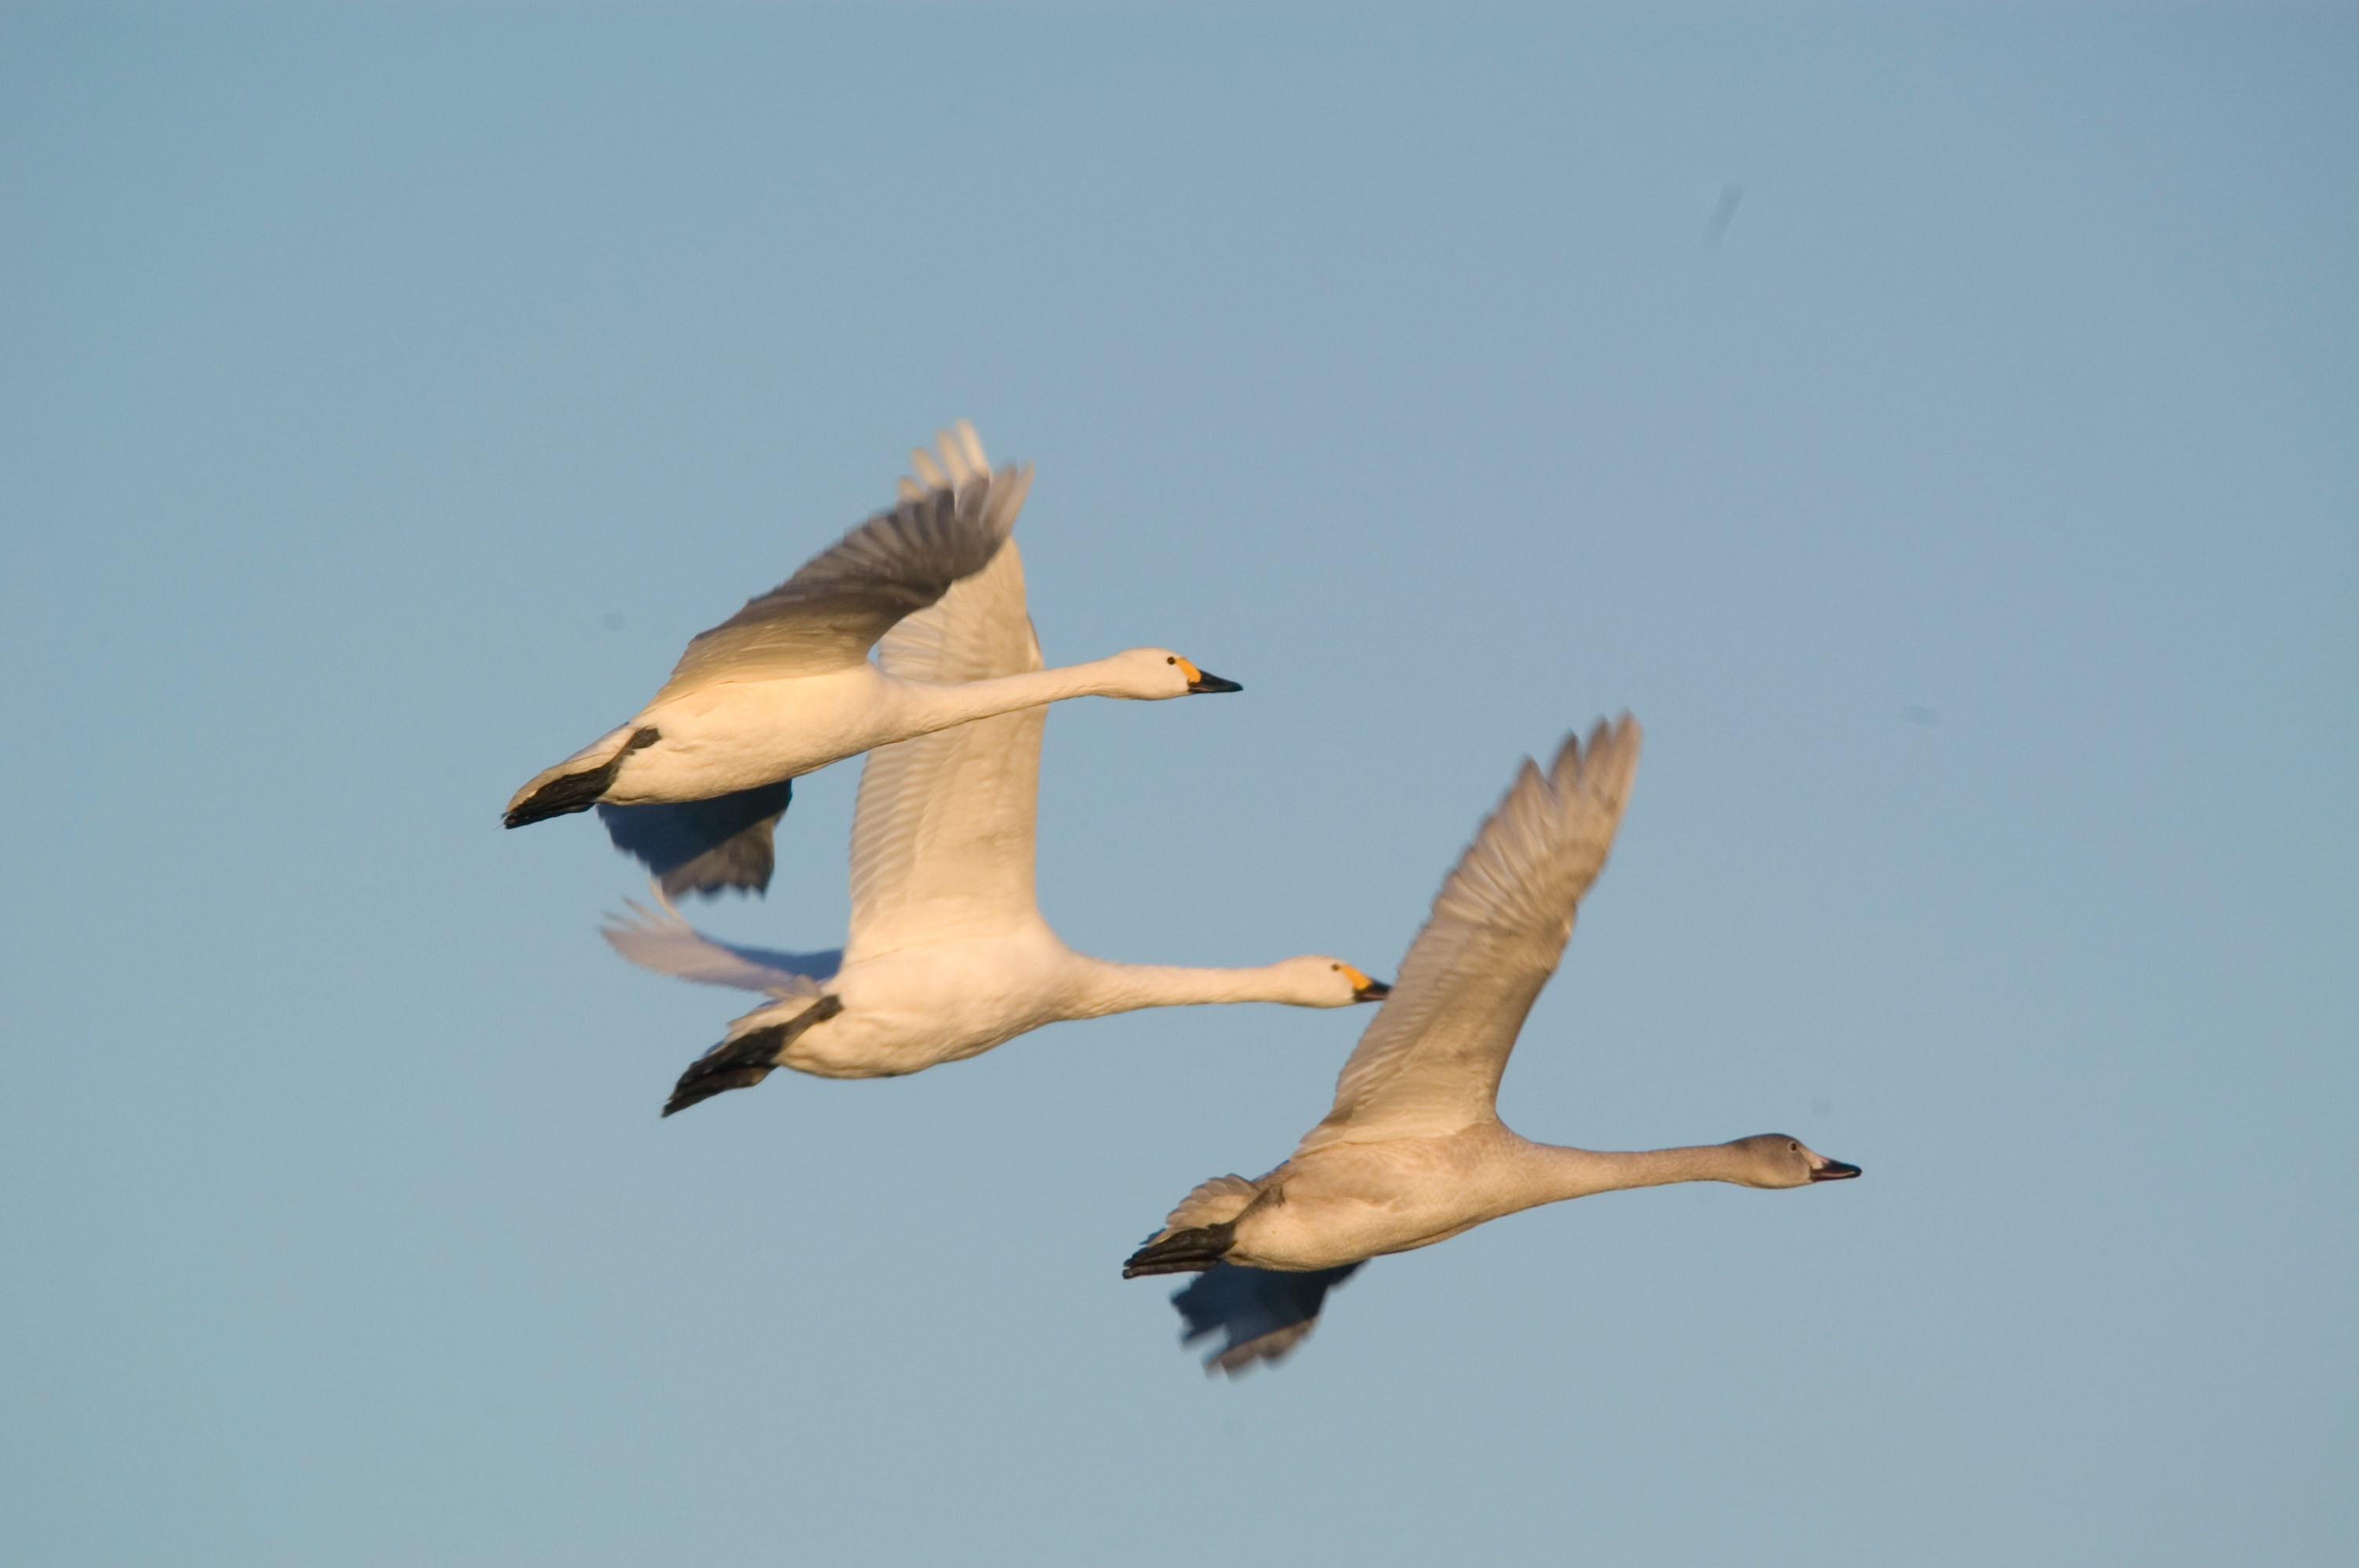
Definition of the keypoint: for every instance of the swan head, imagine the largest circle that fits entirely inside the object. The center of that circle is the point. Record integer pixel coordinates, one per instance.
(1774, 1160)
(1323, 981)
(1153, 673)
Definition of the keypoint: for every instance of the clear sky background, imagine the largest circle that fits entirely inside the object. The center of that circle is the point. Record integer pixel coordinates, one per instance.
(1941, 428)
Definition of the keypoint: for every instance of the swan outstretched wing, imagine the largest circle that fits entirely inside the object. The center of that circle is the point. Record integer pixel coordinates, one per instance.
(1431, 1060)
(661, 940)
(703, 846)
(1260, 1315)
(942, 837)
(829, 614)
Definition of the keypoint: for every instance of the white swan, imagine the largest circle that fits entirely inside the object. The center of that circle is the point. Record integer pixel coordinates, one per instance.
(1414, 1152)
(948, 955)
(784, 686)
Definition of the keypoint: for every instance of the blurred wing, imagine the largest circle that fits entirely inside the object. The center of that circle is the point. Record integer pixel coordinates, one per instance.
(1431, 1060)
(659, 939)
(1260, 1315)
(942, 838)
(828, 615)
(703, 846)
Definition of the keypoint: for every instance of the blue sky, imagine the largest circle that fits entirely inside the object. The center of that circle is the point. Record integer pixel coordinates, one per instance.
(1970, 515)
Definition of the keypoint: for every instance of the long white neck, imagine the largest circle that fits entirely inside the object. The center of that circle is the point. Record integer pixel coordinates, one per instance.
(1123, 988)
(930, 706)
(1552, 1172)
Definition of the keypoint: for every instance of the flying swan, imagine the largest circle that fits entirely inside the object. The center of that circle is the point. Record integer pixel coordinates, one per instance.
(947, 954)
(785, 686)
(1414, 1152)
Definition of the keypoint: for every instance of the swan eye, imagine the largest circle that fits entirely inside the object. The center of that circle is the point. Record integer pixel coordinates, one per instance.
(1337, 967)
(1173, 660)
(1793, 1148)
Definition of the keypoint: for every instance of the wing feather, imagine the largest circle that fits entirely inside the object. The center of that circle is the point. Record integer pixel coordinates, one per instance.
(704, 846)
(1259, 1314)
(661, 940)
(942, 838)
(831, 613)
(1431, 1060)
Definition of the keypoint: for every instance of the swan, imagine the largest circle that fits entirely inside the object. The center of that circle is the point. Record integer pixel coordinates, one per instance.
(947, 954)
(1414, 1152)
(785, 686)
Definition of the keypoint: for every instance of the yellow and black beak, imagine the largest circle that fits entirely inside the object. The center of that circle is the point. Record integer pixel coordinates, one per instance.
(1200, 683)
(1365, 988)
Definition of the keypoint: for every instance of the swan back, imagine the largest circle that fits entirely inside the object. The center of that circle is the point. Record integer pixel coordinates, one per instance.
(1429, 1061)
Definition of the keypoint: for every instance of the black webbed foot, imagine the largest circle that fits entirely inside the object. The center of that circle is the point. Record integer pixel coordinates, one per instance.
(1186, 1251)
(741, 1062)
(577, 792)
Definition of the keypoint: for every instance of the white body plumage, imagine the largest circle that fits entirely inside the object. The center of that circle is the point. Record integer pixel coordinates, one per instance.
(948, 955)
(785, 686)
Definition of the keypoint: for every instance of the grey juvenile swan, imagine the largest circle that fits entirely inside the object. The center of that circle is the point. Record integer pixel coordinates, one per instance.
(1414, 1152)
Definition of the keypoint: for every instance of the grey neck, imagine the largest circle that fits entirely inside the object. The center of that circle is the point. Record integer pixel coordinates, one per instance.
(1557, 1173)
